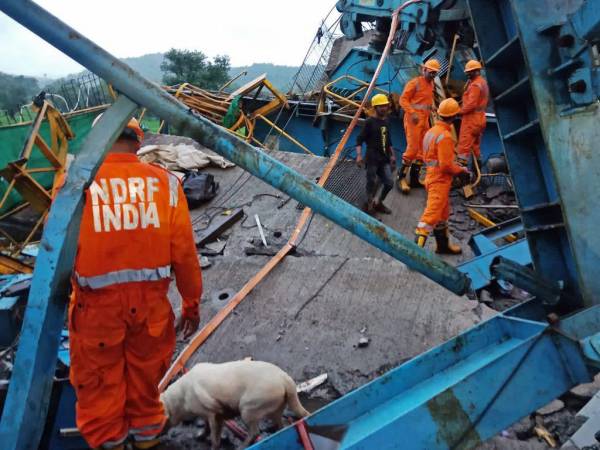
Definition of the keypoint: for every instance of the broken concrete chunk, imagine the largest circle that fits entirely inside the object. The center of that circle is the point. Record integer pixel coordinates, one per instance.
(486, 297)
(205, 262)
(214, 248)
(308, 385)
(587, 390)
(551, 408)
(363, 342)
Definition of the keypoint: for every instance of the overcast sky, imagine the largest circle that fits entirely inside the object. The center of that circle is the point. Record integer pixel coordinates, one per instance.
(275, 31)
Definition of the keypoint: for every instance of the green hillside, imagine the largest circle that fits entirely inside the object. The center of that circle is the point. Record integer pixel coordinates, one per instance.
(280, 76)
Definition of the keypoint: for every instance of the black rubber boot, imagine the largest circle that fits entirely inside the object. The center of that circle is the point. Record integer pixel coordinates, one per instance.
(403, 185)
(415, 173)
(442, 240)
(379, 206)
(369, 207)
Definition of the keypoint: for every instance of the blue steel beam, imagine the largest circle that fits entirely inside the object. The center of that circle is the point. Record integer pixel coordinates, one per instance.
(462, 392)
(261, 165)
(24, 414)
(571, 140)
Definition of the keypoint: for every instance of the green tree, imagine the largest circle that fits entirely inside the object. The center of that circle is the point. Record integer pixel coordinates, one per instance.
(16, 91)
(186, 66)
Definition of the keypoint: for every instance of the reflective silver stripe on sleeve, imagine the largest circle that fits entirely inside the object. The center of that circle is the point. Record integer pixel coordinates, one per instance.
(173, 190)
(439, 138)
(427, 141)
(124, 276)
(432, 164)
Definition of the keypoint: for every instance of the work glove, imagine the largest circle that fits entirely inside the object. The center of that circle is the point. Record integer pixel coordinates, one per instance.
(188, 323)
(359, 162)
(464, 178)
(415, 118)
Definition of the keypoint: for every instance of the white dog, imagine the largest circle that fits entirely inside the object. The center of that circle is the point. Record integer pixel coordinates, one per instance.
(251, 389)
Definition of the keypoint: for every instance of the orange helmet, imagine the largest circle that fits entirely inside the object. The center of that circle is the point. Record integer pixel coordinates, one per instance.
(448, 108)
(473, 65)
(132, 130)
(433, 65)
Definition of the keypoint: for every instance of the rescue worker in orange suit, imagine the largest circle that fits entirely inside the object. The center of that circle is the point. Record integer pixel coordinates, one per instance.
(135, 231)
(380, 156)
(438, 152)
(417, 102)
(474, 104)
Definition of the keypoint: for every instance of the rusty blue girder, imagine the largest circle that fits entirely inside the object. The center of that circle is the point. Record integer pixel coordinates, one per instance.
(26, 405)
(27, 401)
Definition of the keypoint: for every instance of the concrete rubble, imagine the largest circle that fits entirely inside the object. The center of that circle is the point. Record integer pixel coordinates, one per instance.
(335, 306)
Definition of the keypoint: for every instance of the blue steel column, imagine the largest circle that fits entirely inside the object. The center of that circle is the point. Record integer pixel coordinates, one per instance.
(571, 139)
(268, 169)
(24, 414)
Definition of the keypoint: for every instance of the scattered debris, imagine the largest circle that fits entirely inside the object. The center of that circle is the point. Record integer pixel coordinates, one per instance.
(486, 297)
(544, 434)
(308, 385)
(260, 230)
(217, 226)
(181, 157)
(363, 342)
(552, 407)
(213, 248)
(205, 262)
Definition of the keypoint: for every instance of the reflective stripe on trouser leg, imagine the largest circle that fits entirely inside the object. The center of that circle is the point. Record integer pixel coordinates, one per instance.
(148, 432)
(114, 444)
(148, 353)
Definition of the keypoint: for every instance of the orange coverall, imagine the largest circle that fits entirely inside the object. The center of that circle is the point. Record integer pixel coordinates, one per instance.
(474, 104)
(438, 150)
(417, 98)
(135, 229)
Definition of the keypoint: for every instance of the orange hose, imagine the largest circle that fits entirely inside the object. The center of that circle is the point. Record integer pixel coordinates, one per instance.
(212, 325)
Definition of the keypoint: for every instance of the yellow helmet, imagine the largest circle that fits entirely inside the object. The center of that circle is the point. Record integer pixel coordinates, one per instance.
(448, 108)
(473, 65)
(379, 99)
(433, 65)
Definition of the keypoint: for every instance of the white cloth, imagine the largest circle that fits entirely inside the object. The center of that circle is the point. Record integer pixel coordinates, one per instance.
(180, 157)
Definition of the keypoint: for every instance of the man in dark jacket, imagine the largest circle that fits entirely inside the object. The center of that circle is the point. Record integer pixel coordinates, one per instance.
(379, 156)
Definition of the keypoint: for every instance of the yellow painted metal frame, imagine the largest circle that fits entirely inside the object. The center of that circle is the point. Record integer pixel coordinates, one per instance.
(19, 176)
(348, 103)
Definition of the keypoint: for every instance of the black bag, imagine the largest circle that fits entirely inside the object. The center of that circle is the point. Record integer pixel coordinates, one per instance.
(199, 188)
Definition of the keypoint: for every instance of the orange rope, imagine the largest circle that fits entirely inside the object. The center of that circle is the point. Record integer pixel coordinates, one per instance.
(212, 325)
